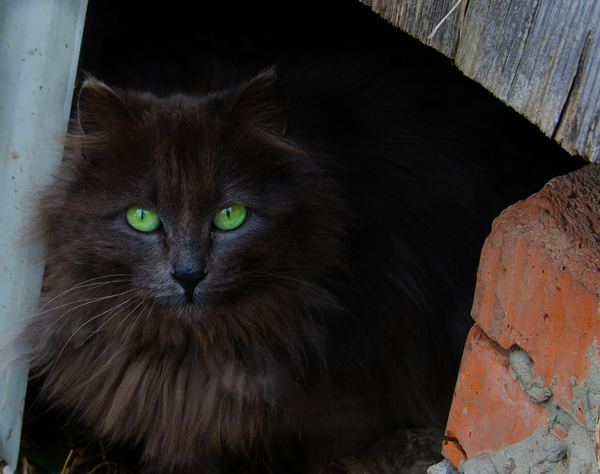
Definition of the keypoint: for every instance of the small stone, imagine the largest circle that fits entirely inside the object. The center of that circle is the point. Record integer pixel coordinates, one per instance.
(444, 467)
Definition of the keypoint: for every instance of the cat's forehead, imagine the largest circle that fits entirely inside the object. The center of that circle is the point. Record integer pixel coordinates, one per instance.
(183, 133)
(197, 150)
(186, 122)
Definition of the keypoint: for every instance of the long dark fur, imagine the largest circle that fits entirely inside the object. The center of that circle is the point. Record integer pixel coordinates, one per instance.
(336, 312)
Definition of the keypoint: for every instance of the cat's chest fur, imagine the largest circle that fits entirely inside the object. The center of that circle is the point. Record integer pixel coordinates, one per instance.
(171, 398)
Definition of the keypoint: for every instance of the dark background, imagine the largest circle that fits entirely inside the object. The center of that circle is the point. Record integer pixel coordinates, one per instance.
(133, 43)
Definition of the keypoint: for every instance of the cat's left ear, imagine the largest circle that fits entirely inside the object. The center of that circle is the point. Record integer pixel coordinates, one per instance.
(263, 101)
(100, 109)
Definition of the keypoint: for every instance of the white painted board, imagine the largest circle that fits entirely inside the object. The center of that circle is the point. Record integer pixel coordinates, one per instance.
(39, 51)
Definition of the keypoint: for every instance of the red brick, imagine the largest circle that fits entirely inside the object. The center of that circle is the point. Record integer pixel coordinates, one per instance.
(538, 289)
(489, 409)
(538, 282)
(560, 432)
(453, 452)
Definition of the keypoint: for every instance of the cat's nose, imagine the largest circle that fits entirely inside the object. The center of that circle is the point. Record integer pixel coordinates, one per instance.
(189, 281)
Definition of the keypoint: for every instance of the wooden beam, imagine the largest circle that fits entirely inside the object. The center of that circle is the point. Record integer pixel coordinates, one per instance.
(541, 58)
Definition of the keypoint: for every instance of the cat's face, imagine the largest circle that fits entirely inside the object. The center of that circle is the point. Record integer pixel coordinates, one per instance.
(195, 209)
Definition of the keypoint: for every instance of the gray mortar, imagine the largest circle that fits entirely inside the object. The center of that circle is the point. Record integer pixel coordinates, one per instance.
(543, 451)
(444, 467)
(588, 393)
(522, 366)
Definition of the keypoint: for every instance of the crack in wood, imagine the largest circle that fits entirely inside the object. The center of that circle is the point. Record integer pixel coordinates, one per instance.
(573, 93)
(512, 88)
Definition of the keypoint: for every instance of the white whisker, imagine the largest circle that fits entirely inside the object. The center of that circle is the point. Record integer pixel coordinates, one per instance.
(79, 328)
(95, 300)
(149, 312)
(87, 282)
(131, 328)
(281, 276)
(39, 311)
(130, 313)
(111, 318)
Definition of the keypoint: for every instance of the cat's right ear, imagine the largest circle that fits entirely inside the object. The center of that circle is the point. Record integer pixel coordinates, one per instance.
(100, 109)
(263, 101)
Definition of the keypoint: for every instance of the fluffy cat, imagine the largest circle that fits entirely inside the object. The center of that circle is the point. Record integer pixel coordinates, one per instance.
(276, 272)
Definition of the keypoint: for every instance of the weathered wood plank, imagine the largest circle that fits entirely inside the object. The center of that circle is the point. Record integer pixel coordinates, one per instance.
(420, 19)
(540, 57)
(578, 130)
(529, 54)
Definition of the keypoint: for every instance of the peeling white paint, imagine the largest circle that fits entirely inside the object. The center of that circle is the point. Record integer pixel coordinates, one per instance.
(36, 87)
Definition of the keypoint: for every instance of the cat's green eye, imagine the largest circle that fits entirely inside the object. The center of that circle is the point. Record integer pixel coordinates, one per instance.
(230, 217)
(142, 219)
